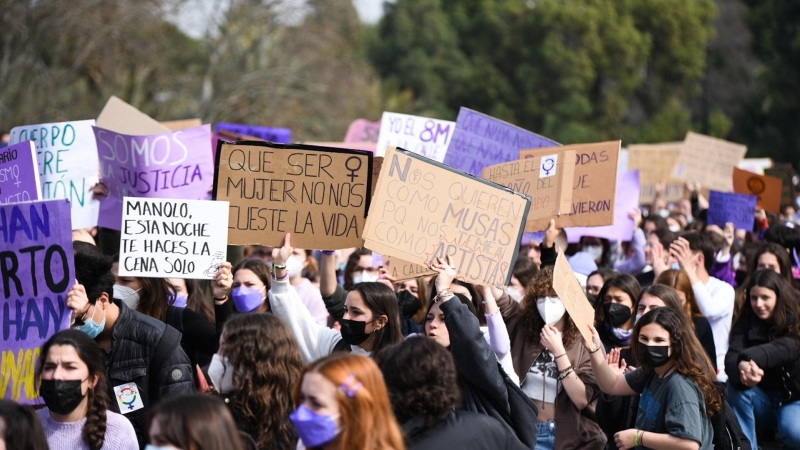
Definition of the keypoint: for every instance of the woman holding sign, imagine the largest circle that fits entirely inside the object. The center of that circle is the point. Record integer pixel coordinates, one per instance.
(371, 318)
(553, 366)
(73, 387)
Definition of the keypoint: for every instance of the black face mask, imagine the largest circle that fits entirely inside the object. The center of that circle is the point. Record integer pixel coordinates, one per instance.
(654, 355)
(616, 314)
(409, 305)
(740, 277)
(353, 331)
(61, 396)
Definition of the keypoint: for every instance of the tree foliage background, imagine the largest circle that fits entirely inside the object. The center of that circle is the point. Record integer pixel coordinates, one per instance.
(575, 71)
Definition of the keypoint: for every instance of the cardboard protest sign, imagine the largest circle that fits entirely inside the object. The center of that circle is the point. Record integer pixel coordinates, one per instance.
(38, 272)
(176, 164)
(366, 146)
(123, 118)
(271, 134)
(423, 209)
(726, 207)
(363, 130)
(546, 179)
(172, 238)
(319, 194)
(178, 125)
(655, 163)
(755, 165)
(573, 296)
(480, 140)
(767, 189)
(785, 172)
(19, 174)
(708, 160)
(400, 270)
(421, 135)
(594, 184)
(627, 200)
(377, 163)
(68, 167)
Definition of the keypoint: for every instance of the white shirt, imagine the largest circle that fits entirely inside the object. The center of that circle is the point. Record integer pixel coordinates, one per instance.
(716, 299)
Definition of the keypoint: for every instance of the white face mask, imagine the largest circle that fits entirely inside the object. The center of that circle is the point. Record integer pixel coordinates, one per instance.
(514, 294)
(293, 266)
(364, 277)
(221, 373)
(128, 296)
(551, 309)
(674, 228)
(595, 251)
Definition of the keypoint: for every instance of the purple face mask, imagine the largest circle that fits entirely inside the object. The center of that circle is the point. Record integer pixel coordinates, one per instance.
(179, 300)
(314, 429)
(247, 299)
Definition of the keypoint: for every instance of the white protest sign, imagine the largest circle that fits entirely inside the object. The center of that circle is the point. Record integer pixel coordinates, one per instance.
(68, 166)
(421, 135)
(172, 238)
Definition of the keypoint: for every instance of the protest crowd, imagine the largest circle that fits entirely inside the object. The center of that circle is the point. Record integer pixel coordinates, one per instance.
(467, 285)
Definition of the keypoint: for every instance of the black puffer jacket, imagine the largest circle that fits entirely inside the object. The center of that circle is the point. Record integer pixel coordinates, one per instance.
(778, 357)
(463, 430)
(487, 389)
(134, 341)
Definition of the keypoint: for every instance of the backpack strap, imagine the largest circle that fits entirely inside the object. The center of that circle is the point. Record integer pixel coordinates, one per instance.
(170, 340)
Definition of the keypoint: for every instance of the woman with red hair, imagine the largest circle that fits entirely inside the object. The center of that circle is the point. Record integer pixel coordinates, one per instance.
(343, 404)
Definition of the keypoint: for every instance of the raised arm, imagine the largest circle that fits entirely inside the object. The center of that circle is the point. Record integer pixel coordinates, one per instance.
(498, 333)
(327, 273)
(314, 340)
(611, 382)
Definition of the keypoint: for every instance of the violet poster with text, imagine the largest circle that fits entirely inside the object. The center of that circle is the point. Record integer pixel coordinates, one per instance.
(38, 271)
(176, 165)
(740, 209)
(271, 134)
(19, 174)
(627, 200)
(480, 141)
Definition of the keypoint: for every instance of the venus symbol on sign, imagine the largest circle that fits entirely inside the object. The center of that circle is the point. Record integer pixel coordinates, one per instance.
(756, 186)
(547, 165)
(353, 170)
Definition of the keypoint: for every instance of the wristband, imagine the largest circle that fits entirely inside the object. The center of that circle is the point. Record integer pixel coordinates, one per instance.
(635, 438)
(641, 438)
(559, 356)
(595, 350)
(220, 301)
(275, 277)
(565, 375)
(278, 266)
(565, 370)
(329, 252)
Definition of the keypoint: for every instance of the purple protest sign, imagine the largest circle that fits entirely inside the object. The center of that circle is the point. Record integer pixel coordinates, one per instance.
(480, 141)
(38, 271)
(19, 174)
(176, 165)
(271, 134)
(362, 130)
(726, 207)
(627, 200)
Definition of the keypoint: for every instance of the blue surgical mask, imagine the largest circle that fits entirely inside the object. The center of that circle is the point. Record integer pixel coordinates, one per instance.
(247, 299)
(314, 429)
(179, 300)
(91, 328)
(675, 266)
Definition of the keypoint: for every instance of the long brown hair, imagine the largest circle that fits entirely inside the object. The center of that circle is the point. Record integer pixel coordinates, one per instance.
(367, 419)
(266, 362)
(154, 297)
(422, 295)
(688, 356)
(197, 422)
(786, 315)
(678, 280)
(542, 286)
(94, 430)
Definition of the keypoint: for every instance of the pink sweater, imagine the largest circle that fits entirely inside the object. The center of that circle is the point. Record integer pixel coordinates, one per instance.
(68, 436)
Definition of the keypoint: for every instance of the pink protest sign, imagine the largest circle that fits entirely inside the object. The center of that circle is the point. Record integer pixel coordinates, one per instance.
(362, 130)
(175, 165)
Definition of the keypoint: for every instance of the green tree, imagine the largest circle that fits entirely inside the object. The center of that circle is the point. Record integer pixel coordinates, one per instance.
(574, 71)
(770, 125)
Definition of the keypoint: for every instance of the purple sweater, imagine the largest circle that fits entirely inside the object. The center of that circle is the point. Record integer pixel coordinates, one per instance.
(68, 435)
(724, 271)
